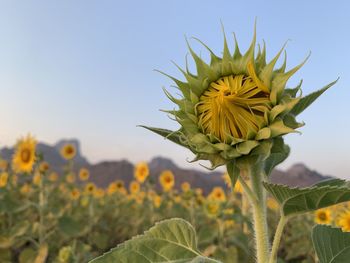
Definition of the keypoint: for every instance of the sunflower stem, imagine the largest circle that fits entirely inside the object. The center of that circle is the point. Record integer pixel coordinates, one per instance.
(277, 238)
(257, 198)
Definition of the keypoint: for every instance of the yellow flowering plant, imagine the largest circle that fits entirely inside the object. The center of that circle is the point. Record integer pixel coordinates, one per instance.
(234, 112)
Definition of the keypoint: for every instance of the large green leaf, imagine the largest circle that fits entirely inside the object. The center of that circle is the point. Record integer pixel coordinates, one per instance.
(173, 240)
(302, 200)
(309, 99)
(331, 244)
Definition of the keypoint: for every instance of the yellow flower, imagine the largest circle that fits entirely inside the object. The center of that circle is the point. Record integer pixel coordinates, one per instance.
(3, 164)
(112, 188)
(84, 201)
(199, 191)
(157, 201)
(75, 194)
(119, 184)
(344, 221)
(53, 177)
(84, 174)
(25, 189)
(217, 194)
(44, 167)
(167, 180)
(37, 178)
(185, 187)
(272, 204)
(323, 216)
(177, 199)
(99, 193)
(134, 187)
(70, 178)
(90, 188)
(238, 187)
(62, 188)
(68, 151)
(212, 208)
(141, 172)
(24, 156)
(3, 179)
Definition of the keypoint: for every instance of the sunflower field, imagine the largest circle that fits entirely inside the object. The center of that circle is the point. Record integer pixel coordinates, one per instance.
(64, 218)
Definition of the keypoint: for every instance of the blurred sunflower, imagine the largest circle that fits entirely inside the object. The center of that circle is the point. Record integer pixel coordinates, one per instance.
(134, 187)
(53, 177)
(112, 188)
(166, 180)
(212, 208)
(217, 194)
(157, 201)
(344, 221)
(24, 156)
(90, 188)
(141, 172)
(84, 174)
(44, 167)
(99, 193)
(75, 194)
(3, 179)
(323, 216)
(227, 180)
(3, 164)
(25, 189)
(185, 187)
(68, 151)
(70, 178)
(37, 178)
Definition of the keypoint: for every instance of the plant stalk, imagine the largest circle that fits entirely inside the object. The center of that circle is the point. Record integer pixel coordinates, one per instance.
(277, 239)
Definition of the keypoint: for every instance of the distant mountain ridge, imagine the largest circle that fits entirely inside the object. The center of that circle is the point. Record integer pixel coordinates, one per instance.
(105, 172)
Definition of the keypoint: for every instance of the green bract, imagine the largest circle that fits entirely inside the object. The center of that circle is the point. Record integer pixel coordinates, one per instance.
(237, 107)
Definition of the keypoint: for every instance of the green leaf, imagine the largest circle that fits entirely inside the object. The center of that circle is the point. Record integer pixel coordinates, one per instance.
(302, 200)
(168, 134)
(309, 99)
(69, 226)
(331, 244)
(172, 240)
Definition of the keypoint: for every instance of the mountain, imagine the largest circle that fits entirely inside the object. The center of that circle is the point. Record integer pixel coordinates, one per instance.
(105, 172)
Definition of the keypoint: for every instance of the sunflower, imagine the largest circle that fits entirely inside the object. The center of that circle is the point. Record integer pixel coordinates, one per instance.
(90, 188)
(53, 177)
(75, 194)
(3, 164)
(112, 188)
(99, 193)
(212, 208)
(227, 180)
(323, 216)
(344, 221)
(272, 204)
(24, 156)
(166, 180)
(217, 194)
(44, 167)
(157, 201)
(141, 172)
(238, 188)
(70, 178)
(3, 179)
(84, 174)
(37, 179)
(25, 189)
(134, 187)
(185, 187)
(68, 151)
(236, 107)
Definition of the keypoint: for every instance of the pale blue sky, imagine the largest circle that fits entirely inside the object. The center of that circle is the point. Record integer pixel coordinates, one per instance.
(84, 69)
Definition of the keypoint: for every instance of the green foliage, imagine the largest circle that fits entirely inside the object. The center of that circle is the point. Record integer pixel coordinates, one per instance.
(169, 240)
(302, 200)
(309, 99)
(331, 244)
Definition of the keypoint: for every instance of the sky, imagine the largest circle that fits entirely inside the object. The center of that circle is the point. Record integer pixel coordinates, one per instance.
(85, 69)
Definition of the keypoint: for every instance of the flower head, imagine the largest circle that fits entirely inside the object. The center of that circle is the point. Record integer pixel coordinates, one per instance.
(344, 221)
(323, 216)
(185, 187)
(84, 174)
(24, 156)
(236, 107)
(166, 180)
(3, 179)
(68, 151)
(134, 187)
(141, 172)
(217, 194)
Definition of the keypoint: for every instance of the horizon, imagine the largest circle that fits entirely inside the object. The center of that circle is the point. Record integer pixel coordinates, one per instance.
(85, 70)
